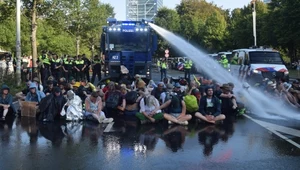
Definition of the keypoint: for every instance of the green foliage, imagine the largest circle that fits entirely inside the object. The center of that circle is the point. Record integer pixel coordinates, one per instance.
(59, 23)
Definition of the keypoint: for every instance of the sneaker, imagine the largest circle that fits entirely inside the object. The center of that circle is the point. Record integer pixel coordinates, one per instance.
(184, 123)
(107, 120)
(170, 122)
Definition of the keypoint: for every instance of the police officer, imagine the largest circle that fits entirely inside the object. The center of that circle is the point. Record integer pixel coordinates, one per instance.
(158, 65)
(67, 68)
(79, 67)
(86, 71)
(44, 62)
(187, 69)
(96, 68)
(163, 69)
(224, 61)
(56, 66)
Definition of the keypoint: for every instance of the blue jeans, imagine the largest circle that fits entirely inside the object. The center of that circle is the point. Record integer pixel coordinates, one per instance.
(163, 73)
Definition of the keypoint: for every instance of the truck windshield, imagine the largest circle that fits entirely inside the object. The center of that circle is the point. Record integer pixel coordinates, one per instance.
(262, 57)
(127, 41)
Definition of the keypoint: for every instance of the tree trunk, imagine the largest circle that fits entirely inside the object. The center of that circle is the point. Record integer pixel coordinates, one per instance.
(33, 38)
(77, 45)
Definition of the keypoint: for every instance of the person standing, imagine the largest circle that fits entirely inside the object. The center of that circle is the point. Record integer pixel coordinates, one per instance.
(224, 61)
(158, 65)
(187, 69)
(45, 67)
(56, 67)
(163, 70)
(96, 65)
(86, 71)
(67, 68)
(79, 67)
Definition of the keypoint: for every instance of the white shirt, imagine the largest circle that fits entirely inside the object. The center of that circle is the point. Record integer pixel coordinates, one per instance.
(147, 109)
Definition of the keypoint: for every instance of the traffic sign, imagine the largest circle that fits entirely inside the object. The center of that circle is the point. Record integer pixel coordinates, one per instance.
(167, 55)
(167, 51)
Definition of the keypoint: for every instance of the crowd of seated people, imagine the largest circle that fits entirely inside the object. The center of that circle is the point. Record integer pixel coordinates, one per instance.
(177, 103)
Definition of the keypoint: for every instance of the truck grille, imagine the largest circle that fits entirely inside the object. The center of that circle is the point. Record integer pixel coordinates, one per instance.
(273, 75)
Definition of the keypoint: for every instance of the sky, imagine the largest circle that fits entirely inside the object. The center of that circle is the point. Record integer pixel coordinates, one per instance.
(120, 5)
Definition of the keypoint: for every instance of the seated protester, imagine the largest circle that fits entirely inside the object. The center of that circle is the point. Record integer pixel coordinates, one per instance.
(75, 87)
(114, 101)
(210, 108)
(124, 89)
(133, 99)
(227, 93)
(62, 87)
(140, 85)
(158, 90)
(49, 88)
(228, 107)
(176, 109)
(34, 95)
(51, 106)
(217, 90)
(82, 92)
(6, 102)
(270, 90)
(284, 90)
(93, 107)
(73, 107)
(148, 104)
(178, 90)
(197, 94)
(22, 95)
(37, 82)
(51, 78)
(169, 88)
(192, 86)
(88, 86)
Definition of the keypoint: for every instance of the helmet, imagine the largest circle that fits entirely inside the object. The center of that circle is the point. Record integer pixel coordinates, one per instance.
(223, 56)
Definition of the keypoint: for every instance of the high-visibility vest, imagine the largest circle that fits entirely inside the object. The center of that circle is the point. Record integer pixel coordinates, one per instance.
(158, 63)
(224, 62)
(188, 64)
(56, 61)
(45, 60)
(163, 65)
(97, 61)
(68, 62)
(79, 62)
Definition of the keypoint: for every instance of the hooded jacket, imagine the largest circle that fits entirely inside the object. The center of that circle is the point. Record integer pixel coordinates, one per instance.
(30, 97)
(8, 100)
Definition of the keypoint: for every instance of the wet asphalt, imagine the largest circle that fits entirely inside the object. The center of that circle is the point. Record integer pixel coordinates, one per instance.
(236, 144)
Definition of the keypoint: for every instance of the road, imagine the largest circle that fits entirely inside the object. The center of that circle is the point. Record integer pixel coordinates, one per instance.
(249, 142)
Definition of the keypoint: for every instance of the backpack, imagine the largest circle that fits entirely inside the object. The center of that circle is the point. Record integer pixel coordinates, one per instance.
(131, 97)
(175, 101)
(191, 103)
(112, 100)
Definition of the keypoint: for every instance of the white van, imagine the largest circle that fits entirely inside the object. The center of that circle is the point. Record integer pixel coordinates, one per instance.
(257, 64)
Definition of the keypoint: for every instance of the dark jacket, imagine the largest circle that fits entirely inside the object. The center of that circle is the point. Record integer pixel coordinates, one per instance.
(215, 101)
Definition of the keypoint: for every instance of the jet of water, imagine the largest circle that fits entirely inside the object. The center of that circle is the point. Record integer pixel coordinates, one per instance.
(256, 100)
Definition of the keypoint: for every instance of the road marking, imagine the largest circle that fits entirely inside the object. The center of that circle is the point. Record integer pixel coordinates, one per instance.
(108, 127)
(275, 129)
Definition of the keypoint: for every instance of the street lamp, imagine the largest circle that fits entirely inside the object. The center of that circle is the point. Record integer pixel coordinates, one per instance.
(253, 6)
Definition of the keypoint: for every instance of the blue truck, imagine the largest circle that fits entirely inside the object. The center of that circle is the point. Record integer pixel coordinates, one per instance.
(128, 43)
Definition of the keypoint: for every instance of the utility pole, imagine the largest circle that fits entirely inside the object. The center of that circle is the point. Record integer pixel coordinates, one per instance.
(18, 41)
(253, 6)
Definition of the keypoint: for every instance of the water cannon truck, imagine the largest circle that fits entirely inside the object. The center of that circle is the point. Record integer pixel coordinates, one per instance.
(128, 43)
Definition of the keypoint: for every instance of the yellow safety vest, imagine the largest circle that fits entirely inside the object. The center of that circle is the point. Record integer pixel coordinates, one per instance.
(158, 63)
(163, 65)
(68, 62)
(97, 61)
(45, 60)
(188, 65)
(79, 62)
(56, 61)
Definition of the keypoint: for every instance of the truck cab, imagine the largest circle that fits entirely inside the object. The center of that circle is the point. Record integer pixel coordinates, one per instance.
(128, 43)
(256, 64)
